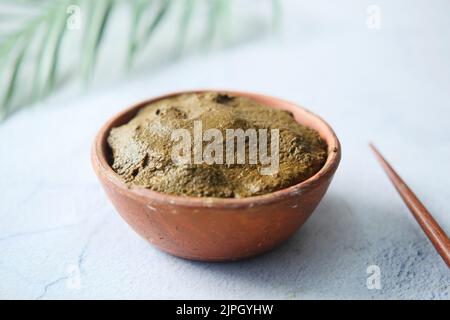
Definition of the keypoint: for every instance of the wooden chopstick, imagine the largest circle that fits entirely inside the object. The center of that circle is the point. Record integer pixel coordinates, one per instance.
(431, 228)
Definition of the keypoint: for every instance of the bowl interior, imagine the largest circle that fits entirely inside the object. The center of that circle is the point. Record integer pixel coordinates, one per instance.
(103, 157)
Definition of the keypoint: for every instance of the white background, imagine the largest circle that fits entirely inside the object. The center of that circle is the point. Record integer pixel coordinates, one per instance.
(60, 237)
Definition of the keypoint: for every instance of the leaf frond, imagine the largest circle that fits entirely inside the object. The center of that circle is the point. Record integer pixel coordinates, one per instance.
(40, 28)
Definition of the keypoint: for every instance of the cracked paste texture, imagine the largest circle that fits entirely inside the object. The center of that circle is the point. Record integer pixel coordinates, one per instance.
(141, 149)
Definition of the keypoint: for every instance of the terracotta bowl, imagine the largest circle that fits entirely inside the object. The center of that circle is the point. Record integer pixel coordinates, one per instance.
(216, 229)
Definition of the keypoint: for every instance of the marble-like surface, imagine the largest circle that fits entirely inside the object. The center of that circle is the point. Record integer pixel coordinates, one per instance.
(60, 237)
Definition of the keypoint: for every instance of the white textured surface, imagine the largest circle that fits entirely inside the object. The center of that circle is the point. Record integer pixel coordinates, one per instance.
(390, 86)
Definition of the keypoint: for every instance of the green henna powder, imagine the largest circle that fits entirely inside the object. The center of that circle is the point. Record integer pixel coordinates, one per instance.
(142, 148)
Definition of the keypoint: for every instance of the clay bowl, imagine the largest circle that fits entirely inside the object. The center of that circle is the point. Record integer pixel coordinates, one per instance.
(215, 229)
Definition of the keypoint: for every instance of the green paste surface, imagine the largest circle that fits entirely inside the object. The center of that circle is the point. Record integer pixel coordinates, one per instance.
(141, 148)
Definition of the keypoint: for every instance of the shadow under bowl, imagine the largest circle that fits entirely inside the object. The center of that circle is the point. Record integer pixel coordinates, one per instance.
(216, 229)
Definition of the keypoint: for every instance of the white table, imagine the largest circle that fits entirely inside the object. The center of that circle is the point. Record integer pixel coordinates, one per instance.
(60, 237)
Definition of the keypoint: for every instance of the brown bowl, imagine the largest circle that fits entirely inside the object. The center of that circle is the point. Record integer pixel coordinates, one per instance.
(217, 229)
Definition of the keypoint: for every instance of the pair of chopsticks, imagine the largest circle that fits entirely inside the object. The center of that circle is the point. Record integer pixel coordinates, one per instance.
(431, 228)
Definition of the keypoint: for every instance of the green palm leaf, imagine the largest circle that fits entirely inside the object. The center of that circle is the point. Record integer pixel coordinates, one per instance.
(184, 26)
(138, 12)
(13, 80)
(39, 39)
(99, 13)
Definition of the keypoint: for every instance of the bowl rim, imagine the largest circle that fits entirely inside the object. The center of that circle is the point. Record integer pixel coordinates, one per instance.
(103, 169)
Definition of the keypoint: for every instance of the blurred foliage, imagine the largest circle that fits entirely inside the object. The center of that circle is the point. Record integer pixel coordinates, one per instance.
(38, 39)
